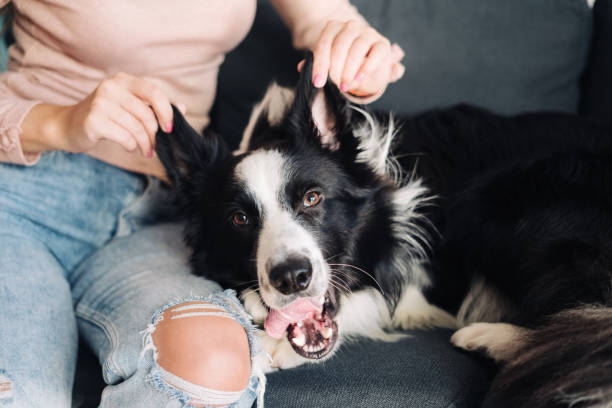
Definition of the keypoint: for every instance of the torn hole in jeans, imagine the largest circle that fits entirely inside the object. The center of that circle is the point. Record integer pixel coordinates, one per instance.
(222, 304)
(6, 387)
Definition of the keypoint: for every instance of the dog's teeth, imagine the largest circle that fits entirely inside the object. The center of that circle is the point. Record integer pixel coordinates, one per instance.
(300, 324)
(299, 340)
(327, 333)
(322, 299)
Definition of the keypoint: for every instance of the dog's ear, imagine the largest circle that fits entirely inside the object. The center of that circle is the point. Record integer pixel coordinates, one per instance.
(324, 113)
(185, 153)
(266, 115)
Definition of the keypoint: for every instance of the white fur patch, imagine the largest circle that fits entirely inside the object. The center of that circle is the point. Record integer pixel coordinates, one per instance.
(412, 237)
(366, 314)
(413, 311)
(264, 173)
(375, 145)
(591, 3)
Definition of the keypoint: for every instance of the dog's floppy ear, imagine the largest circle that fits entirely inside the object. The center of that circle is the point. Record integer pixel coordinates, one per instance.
(326, 111)
(265, 115)
(185, 153)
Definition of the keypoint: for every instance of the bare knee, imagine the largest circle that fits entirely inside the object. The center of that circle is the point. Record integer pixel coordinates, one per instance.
(209, 351)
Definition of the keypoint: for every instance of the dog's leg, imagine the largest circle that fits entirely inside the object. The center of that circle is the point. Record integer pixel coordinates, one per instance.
(500, 341)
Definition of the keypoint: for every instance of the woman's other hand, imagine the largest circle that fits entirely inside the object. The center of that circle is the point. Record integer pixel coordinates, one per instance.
(357, 58)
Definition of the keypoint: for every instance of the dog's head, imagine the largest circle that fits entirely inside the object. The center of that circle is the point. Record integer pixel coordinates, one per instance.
(283, 214)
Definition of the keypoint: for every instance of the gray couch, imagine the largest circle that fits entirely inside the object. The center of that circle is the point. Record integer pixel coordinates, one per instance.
(508, 56)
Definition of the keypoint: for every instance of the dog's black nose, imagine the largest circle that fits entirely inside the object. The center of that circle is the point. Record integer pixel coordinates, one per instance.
(292, 275)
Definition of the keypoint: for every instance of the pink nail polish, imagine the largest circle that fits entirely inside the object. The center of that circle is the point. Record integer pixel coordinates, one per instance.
(343, 87)
(170, 126)
(318, 80)
(359, 76)
(150, 154)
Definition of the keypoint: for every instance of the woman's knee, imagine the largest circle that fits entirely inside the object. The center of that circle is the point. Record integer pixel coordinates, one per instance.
(199, 343)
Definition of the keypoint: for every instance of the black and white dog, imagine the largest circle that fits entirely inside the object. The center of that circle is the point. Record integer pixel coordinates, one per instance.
(499, 227)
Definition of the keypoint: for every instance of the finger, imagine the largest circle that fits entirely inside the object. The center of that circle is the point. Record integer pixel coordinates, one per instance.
(322, 53)
(141, 111)
(339, 52)
(105, 129)
(300, 65)
(377, 55)
(397, 53)
(154, 96)
(181, 107)
(121, 117)
(355, 58)
(397, 71)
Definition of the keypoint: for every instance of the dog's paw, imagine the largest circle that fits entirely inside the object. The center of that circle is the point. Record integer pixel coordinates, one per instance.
(254, 306)
(500, 341)
(280, 354)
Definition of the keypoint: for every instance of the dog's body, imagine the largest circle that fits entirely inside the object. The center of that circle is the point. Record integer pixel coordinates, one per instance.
(444, 219)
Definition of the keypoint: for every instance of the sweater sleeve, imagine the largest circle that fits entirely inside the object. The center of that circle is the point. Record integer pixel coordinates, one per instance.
(12, 112)
(306, 20)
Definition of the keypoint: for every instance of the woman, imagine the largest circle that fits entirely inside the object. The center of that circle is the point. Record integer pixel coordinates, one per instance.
(84, 249)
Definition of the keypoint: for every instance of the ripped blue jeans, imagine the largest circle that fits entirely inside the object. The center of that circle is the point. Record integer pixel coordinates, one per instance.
(83, 252)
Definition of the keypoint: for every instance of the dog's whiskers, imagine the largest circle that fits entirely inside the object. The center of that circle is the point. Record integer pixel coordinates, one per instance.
(340, 288)
(333, 256)
(366, 273)
(340, 285)
(348, 277)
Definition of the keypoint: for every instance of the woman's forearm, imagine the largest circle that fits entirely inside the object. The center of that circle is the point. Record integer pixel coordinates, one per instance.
(306, 19)
(44, 128)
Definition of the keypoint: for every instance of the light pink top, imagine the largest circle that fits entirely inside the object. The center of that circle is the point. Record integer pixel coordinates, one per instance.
(64, 48)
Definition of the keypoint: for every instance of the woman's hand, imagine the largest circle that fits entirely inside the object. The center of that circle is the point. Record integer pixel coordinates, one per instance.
(124, 109)
(356, 57)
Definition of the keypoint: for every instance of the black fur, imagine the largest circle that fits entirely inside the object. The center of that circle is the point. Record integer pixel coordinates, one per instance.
(566, 362)
(523, 202)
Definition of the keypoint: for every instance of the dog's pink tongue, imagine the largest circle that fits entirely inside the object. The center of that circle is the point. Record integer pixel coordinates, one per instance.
(278, 319)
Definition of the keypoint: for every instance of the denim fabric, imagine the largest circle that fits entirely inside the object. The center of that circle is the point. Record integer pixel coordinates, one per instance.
(80, 254)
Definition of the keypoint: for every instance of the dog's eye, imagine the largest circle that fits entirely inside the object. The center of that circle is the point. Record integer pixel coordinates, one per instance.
(239, 218)
(312, 198)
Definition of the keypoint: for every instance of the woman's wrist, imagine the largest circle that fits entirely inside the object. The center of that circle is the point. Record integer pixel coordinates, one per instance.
(45, 128)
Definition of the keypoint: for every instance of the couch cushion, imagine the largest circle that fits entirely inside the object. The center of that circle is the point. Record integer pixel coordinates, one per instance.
(420, 371)
(508, 56)
(597, 91)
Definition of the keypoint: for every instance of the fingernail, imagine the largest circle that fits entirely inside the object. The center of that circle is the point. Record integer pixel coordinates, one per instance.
(169, 128)
(318, 80)
(359, 76)
(150, 154)
(343, 87)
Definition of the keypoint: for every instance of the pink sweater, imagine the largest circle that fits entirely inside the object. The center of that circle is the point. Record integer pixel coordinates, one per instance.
(64, 48)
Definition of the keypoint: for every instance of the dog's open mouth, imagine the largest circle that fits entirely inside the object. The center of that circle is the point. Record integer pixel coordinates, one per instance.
(314, 336)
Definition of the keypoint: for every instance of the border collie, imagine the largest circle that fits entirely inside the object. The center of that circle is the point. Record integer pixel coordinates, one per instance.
(500, 227)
